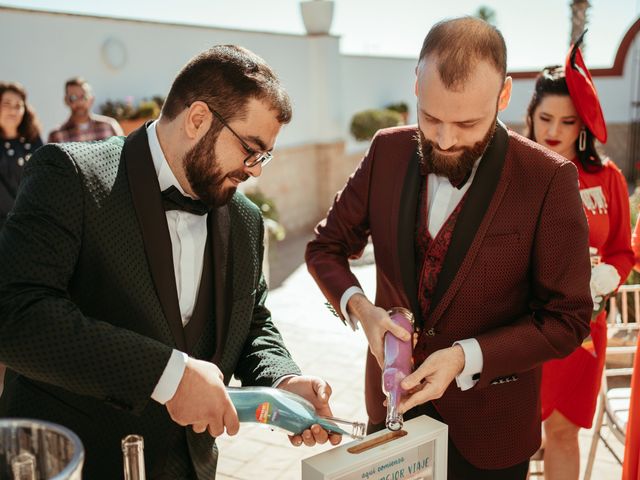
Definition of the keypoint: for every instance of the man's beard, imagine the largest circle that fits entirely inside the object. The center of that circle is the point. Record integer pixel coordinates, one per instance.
(455, 168)
(205, 175)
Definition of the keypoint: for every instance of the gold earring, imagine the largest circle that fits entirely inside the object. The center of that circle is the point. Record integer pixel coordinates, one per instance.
(582, 140)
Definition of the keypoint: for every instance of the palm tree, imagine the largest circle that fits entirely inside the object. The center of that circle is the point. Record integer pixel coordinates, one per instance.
(487, 14)
(579, 19)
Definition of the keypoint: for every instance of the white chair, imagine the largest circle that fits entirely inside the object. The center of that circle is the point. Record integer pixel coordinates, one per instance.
(613, 409)
(536, 464)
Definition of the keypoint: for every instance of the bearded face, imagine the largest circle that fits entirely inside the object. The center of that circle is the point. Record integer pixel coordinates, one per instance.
(205, 174)
(456, 163)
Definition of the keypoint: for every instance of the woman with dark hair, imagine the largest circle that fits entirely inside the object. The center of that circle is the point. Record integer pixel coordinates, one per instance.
(565, 116)
(19, 138)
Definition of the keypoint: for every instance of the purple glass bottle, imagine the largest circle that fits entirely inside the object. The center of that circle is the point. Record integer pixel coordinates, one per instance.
(398, 363)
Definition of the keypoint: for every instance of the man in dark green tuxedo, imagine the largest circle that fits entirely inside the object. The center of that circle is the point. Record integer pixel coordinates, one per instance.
(131, 287)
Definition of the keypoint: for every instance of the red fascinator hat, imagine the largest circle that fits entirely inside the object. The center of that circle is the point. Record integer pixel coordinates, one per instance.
(583, 92)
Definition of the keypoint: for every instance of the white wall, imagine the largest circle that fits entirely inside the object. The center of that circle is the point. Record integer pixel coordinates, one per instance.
(326, 88)
(373, 82)
(616, 93)
(47, 49)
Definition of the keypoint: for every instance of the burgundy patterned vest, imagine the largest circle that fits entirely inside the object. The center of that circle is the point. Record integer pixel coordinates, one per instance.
(430, 254)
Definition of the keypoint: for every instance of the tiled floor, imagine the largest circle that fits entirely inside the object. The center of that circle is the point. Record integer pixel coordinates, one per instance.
(323, 346)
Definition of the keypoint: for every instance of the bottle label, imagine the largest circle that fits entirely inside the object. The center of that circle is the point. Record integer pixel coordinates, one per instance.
(266, 413)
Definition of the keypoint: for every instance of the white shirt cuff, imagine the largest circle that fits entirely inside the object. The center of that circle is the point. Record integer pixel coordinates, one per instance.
(473, 363)
(349, 292)
(281, 379)
(170, 379)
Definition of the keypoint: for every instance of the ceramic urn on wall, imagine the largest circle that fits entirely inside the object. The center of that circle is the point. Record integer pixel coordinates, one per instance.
(317, 16)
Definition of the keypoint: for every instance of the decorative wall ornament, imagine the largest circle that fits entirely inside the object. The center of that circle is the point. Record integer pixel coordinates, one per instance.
(114, 53)
(317, 16)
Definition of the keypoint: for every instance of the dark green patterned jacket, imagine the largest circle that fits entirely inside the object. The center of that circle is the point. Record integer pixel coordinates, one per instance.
(89, 312)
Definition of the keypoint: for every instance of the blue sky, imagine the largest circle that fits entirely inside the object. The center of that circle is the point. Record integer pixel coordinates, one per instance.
(536, 32)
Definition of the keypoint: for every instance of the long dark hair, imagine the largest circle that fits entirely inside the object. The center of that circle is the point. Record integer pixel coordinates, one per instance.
(551, 81)
(29, 127)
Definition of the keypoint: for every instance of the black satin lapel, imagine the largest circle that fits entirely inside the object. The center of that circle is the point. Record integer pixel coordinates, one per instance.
(473, 211)
(406, 234)
(220, 232)
(145, 192)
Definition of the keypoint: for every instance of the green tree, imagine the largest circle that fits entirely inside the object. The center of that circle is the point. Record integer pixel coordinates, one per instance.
(579, 20)
(366, 123)
(487, 14)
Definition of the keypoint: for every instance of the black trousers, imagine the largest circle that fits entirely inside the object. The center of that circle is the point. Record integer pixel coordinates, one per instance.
(458, 468)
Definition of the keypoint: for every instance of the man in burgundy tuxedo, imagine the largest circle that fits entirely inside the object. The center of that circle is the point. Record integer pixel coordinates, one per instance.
(481, 234)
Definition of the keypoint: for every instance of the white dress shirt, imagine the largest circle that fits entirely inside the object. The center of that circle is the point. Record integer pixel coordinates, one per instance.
(188, 233)
(442, 199)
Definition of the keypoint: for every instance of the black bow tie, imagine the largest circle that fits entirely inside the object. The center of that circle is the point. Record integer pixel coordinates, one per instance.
(172, 199)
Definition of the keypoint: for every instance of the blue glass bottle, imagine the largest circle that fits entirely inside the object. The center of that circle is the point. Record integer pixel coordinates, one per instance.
(287, 411)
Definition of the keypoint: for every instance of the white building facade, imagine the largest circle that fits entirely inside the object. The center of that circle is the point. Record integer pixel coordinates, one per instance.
(139, 59)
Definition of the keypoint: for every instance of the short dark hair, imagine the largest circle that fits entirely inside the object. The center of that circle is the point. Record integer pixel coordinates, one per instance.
(552, 81)
(29, 127)
(77, 82)
(226, 77)
(459, 44)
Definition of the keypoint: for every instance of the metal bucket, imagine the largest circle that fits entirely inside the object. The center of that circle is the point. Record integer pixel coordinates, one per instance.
(33, 449)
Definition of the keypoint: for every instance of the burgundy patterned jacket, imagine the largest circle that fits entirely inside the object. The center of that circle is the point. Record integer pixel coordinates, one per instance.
(515, 277)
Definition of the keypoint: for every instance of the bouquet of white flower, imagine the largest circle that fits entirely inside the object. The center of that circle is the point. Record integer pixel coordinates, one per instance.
(604, 281)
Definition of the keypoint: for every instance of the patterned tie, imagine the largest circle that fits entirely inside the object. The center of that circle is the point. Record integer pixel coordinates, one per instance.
(172, 199)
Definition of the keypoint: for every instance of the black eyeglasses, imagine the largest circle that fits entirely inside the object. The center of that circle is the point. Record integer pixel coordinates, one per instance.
(254, 158)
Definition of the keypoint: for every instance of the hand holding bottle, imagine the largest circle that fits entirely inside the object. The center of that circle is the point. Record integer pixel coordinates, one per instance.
(202, 400)
(376, 323)
(318, 392)
(430, 380)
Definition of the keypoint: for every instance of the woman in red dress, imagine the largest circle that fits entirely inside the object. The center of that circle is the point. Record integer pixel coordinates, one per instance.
(631, 465)
(564, 115)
